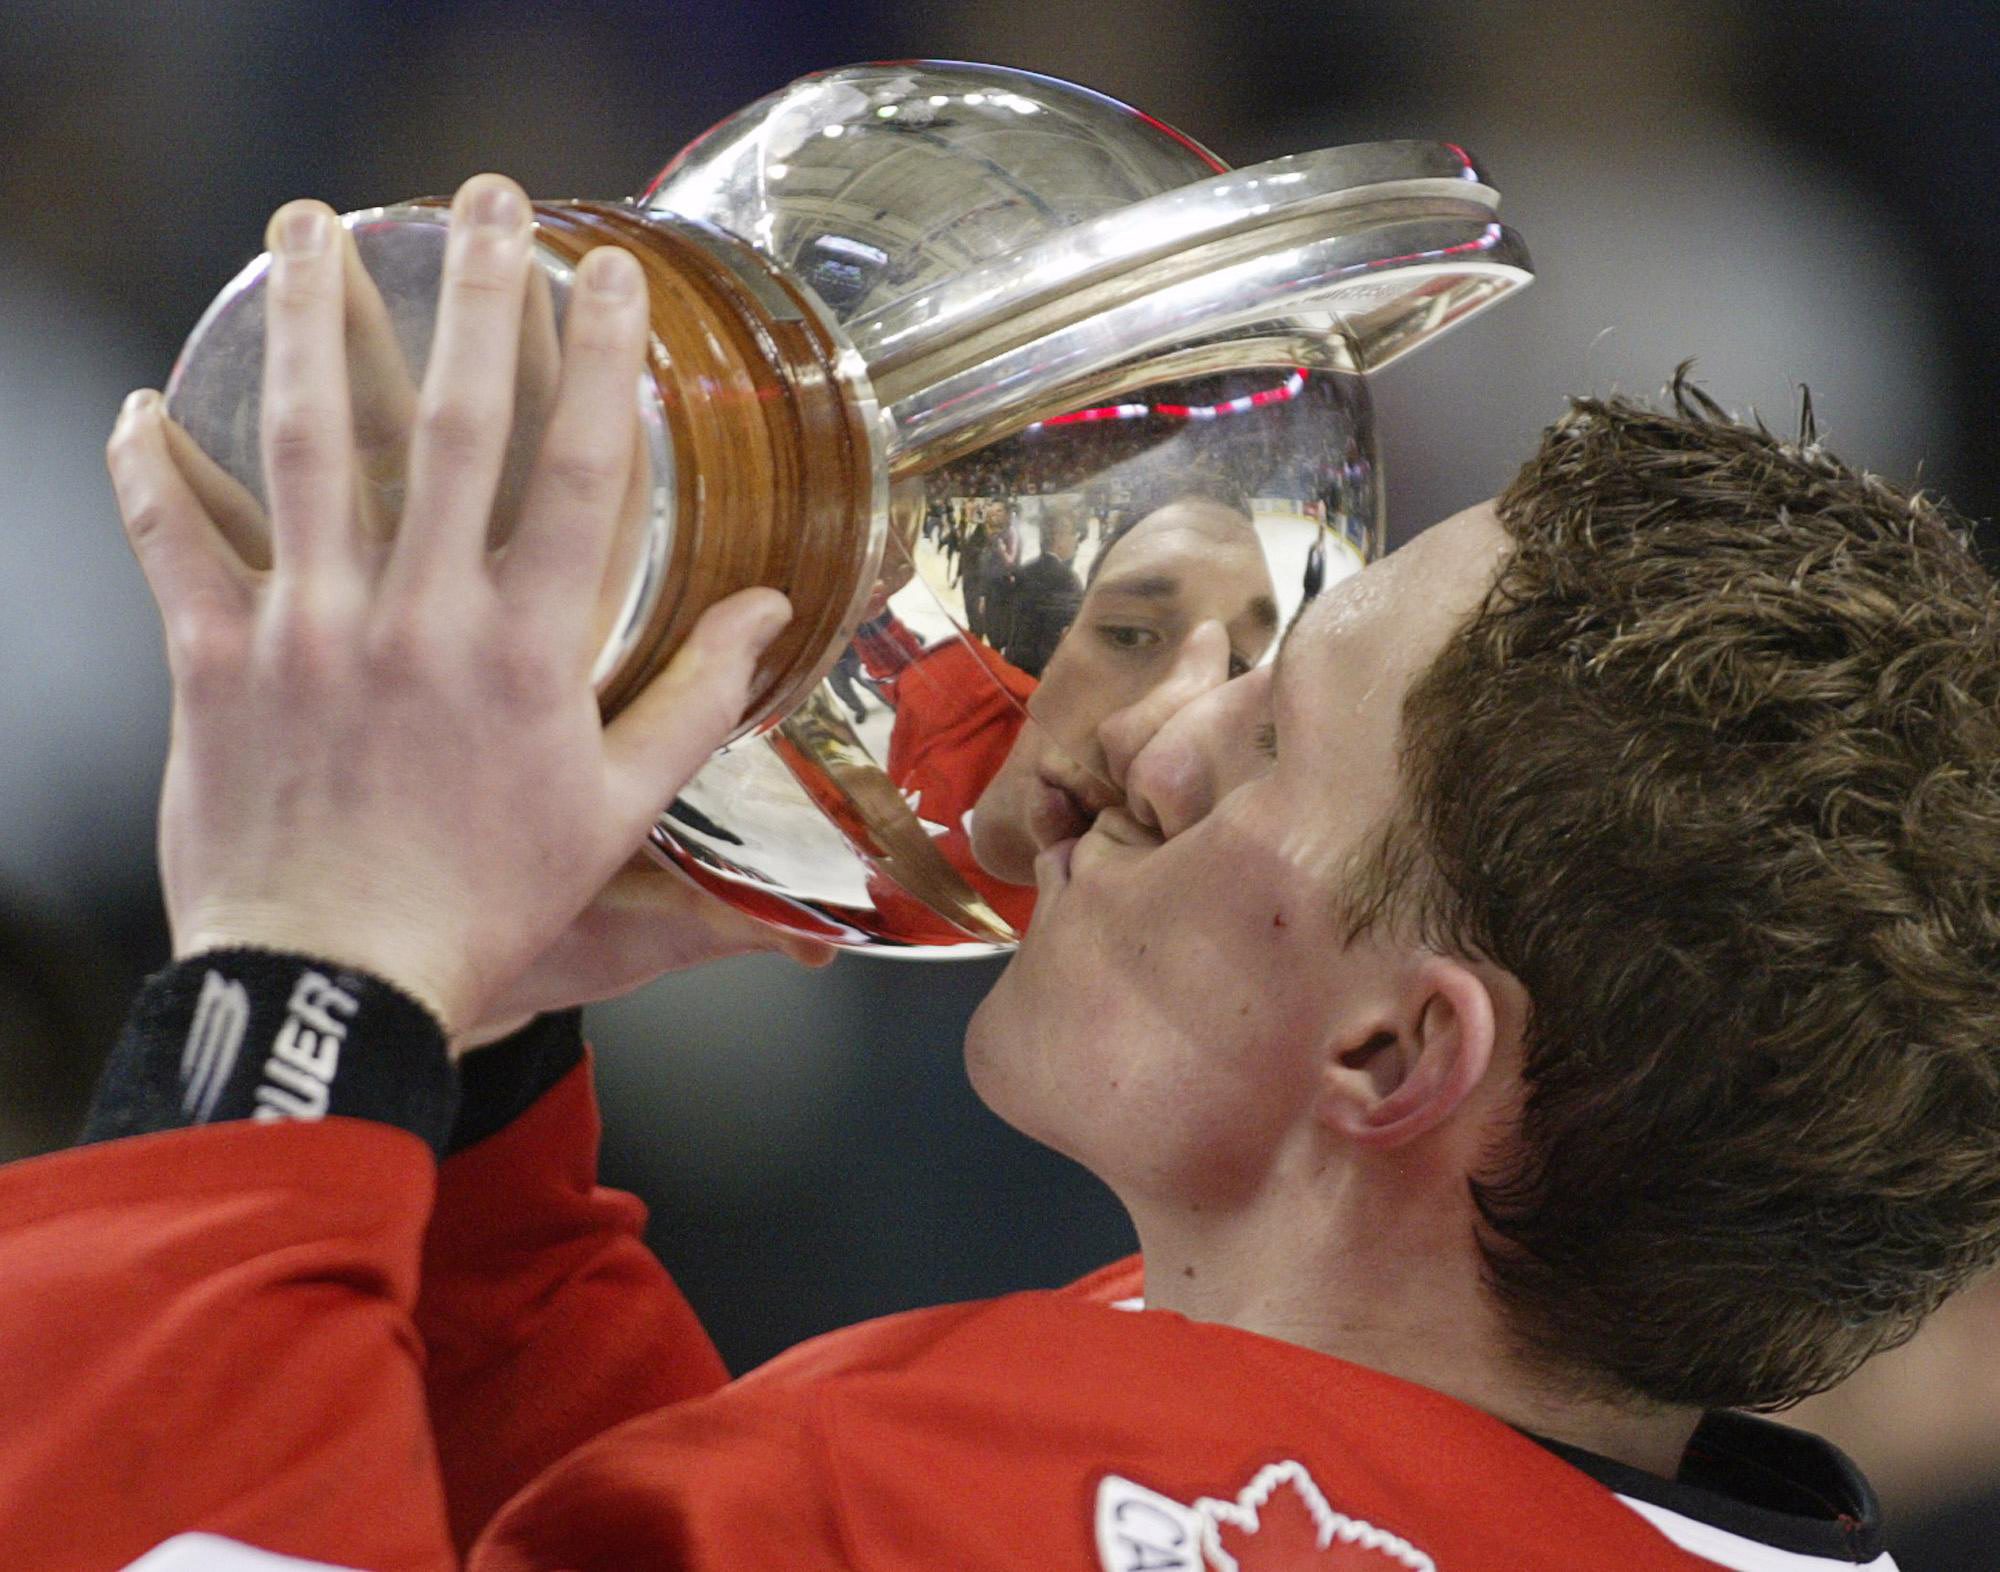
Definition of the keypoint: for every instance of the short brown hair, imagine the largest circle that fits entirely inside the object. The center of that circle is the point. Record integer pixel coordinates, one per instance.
(1714, 771)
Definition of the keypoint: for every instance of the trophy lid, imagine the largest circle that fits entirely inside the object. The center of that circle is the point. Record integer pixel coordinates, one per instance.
(873, 182)
(1001, 245)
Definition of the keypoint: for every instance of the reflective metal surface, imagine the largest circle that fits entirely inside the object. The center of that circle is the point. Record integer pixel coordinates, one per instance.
(1078, 272)
(1125, 395)
(1297, 288)
(1105, 390)
(1043, 585)
(873, 183)
(996, 242)
(761, 457)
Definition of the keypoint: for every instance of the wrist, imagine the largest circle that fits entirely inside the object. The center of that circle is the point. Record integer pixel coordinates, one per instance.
(486, 1033)
(382, 956)
(502, 1083)
(256, 1034)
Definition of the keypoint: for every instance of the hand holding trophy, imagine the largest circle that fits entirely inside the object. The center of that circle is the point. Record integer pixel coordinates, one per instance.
(1010, 389)
(326, 694)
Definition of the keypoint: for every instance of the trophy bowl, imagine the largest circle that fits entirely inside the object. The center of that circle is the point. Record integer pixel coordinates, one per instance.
(1009, 386)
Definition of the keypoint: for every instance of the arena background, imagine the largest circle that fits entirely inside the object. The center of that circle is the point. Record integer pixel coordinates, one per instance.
(1787, 193)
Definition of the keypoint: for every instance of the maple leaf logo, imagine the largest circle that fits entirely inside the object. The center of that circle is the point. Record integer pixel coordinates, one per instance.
(1279, 1522)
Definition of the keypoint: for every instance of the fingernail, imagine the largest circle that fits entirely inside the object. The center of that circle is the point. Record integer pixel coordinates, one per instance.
(497, 207)
(302, 233)
(612, 273)
(139, 402)
(771, 621)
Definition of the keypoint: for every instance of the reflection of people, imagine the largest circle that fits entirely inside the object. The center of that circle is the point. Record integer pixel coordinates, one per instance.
(1044, 596)
(995, 791)
(989, 579)
(1549, 1006)
(959, 706)
(846, 672)
(1194, 561)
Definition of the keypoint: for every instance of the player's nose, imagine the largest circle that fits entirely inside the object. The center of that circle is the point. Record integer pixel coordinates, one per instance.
(1193, 760)
(1200, 666)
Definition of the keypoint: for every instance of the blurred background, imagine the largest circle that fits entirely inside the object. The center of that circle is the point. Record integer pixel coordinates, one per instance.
(1787, 194)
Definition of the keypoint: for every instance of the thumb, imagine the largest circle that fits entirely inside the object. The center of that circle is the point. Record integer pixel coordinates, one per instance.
(688, 711)
(809, 953)
(657, 888)
(738, 931)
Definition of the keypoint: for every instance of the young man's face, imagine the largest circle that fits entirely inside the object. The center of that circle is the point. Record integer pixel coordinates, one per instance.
(1162, 1022)
(1190, 562)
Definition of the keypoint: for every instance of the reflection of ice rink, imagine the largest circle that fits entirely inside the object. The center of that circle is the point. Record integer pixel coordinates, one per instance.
(1288, 536)
(920, 605)
(874, 728)
(748, 790)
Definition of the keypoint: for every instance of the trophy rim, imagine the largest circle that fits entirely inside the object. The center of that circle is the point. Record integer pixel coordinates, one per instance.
(1417, 277)
(905, 341)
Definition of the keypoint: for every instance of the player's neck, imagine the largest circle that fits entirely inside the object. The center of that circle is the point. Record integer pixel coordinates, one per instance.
(1404, 1296)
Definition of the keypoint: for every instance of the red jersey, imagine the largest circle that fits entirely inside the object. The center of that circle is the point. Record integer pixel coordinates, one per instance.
(955, 724)
(311, 1339)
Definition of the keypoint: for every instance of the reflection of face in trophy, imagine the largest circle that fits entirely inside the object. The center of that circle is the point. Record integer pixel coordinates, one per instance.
(1195, 560)
(915, 327)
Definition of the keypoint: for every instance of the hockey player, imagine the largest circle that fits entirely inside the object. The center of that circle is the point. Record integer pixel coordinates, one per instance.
(1192, 563)
(1549, 1009)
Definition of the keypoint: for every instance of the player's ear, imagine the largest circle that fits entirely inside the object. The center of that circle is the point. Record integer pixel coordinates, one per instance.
(1405, 1061)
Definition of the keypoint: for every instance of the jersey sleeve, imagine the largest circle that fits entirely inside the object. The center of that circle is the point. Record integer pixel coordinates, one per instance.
(733, 1482)
(210, 1330)
(546, 1317)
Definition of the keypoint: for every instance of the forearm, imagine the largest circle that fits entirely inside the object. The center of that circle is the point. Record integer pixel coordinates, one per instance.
(271, 1037)
(546, 1317)
(209, 1327)
(210, 1330)
(388, 754)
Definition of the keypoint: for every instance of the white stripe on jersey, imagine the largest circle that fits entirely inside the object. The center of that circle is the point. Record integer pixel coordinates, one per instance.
(212, 1553)
(1733, 1550)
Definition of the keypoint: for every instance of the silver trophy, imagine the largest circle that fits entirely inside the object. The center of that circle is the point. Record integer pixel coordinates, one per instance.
(1010, 387)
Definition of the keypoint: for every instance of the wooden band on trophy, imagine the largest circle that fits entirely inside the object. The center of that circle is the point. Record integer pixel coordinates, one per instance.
(774, 461)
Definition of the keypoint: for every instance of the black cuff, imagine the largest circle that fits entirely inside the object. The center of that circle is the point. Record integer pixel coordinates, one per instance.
(499, 1083)
(256, 1034)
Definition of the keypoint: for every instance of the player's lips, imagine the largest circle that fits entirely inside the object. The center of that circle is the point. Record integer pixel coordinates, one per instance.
(1052, 865)
(1061, 810)
(1122, 829)
(1059, 863)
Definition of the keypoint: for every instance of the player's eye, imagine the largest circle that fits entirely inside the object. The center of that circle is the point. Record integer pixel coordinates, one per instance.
(1265, 739)
(1125, 636)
